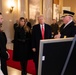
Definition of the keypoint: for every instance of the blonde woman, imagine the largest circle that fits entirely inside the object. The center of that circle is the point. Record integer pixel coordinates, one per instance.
(22, 45)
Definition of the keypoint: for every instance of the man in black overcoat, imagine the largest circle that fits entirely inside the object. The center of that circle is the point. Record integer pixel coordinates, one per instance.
(37, 36)
(68, 29)
(3, 52)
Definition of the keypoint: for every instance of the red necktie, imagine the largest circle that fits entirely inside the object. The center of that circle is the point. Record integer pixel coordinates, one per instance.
(42, 32)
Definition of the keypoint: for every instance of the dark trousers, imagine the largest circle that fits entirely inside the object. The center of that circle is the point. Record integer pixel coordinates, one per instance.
(36, 66)
(35, 59)
(4, 66)
(23, 67)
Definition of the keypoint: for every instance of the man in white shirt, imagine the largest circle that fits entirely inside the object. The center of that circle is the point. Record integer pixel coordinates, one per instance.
(40, 31)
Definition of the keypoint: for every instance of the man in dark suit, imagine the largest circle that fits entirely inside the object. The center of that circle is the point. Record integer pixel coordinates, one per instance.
(3, 53)
(54, 27)
(68, 29)
(37, 35)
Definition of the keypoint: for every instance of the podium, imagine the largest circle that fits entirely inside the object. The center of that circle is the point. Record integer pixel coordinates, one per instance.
(57, 57)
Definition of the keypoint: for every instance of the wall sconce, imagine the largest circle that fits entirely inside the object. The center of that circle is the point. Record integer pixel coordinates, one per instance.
(11, 9)
(11, 5)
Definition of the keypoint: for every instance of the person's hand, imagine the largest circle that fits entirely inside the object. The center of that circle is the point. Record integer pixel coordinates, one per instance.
(57, 36)
(34, 49)
(8, 54)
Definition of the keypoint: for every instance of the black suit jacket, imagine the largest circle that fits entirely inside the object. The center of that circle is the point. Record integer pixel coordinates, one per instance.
(3, 42)
(3, 54)
(36, 35)
(69, 30)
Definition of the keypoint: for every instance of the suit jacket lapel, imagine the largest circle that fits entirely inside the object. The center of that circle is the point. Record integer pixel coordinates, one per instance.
(40, 31)
(45, 31)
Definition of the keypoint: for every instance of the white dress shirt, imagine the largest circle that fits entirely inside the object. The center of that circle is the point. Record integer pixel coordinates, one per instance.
(68, 23)
(43, 27)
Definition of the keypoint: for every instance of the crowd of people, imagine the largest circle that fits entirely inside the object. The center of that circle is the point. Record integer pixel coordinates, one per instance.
(27, 38)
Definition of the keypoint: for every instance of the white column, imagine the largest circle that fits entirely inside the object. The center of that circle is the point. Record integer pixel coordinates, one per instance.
(47, 10)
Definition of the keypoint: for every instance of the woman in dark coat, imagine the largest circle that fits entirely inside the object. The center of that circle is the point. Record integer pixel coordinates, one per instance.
(22, 45)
